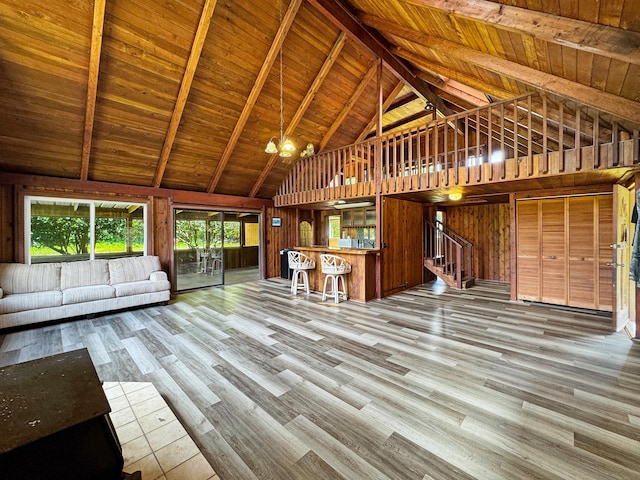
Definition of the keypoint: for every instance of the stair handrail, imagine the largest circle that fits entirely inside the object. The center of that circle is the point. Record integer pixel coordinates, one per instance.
(462, 248)
(451, 232)
(445, 250)
(466, 244)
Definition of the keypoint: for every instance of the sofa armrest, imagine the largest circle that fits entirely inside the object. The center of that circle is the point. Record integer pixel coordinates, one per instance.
(1, 293)
(158, 276)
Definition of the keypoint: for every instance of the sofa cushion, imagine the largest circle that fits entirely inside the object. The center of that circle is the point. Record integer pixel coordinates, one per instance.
(19, 302)
(136, 288)
(87, 294)
(132, 269)
(82, 274)
(21, 278)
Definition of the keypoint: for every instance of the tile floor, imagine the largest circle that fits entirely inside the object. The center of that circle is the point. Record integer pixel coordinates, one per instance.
(153, 440)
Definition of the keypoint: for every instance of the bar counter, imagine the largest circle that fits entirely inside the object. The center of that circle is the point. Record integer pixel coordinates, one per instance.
(361, 282)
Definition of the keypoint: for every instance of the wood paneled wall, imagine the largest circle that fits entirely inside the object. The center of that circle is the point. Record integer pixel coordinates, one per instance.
(487, 227)
(402, 234)
(277, 238)
(6, 223)
(160, 210)
(162, 231)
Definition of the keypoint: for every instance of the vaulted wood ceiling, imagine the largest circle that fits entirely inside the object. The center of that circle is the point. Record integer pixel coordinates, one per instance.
(185, 94)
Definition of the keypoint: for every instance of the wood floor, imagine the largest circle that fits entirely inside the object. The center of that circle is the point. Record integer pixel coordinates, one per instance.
(426, 384)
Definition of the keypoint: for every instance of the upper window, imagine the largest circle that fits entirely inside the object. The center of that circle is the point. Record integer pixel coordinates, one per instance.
(66, 230)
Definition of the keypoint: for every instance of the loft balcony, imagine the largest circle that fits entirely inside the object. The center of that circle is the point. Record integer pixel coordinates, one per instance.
(529, 142)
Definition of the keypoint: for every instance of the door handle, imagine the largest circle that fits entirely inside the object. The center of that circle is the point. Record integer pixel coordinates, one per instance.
(614, 264)
(615, 246)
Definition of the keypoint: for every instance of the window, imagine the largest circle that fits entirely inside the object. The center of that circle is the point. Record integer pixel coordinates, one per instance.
(66, 230)
(231, 234)
(251, 235)
(334, 230)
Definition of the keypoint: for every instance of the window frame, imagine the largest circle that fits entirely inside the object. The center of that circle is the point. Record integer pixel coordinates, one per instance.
(92, 218)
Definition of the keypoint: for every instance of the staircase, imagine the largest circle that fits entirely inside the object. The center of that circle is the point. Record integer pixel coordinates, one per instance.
(448, 255)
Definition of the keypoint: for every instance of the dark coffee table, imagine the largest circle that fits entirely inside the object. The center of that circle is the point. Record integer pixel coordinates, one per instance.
(54, 421)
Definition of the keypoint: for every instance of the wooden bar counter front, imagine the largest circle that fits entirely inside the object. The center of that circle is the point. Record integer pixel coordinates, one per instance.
(361, 282)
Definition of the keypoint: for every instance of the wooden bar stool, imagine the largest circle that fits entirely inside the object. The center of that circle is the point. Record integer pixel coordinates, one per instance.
(334, 268)
(300, 264)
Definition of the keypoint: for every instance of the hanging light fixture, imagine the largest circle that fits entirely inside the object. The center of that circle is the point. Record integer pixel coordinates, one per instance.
(285, 147)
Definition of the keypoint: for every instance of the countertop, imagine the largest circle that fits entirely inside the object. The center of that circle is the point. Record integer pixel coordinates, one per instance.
(351, 251)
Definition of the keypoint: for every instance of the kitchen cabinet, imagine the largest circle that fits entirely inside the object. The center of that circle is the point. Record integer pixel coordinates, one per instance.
(358, 217)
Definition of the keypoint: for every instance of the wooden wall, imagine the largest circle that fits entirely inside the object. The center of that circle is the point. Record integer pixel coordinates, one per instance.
(487, 227)
(277, 238)
(402, 234)
(160, 212)
(6, 223)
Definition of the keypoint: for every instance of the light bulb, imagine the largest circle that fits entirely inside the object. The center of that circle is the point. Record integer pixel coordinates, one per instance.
(271, 147)
(288, 146)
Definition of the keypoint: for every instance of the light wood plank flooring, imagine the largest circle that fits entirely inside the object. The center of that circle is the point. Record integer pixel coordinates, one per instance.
(427, 384)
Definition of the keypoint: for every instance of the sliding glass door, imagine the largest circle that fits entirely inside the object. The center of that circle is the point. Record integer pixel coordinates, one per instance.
(215, 248)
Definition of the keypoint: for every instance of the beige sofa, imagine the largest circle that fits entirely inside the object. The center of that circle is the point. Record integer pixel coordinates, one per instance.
(49, 291)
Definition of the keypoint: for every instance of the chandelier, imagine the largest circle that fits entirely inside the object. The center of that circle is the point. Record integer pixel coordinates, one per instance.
(285, 147)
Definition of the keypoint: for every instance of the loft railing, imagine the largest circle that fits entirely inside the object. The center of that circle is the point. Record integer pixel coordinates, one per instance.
(530, 136)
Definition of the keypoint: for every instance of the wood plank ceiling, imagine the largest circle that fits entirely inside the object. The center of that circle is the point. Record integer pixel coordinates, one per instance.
(185, 94)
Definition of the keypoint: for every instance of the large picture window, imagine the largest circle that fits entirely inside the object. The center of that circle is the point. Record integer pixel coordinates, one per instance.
(67, 230)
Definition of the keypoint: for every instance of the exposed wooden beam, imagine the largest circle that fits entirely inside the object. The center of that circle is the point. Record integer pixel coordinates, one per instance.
(604, 101)
(185, 87)
(623, 45)
(133, 191)
(311, 93)
(349, 105)
(322, 74)
(92, 85)
(405, 121)
(344, 19)
(401, 102)
(272, 55)
(438, 69)
(372, 123)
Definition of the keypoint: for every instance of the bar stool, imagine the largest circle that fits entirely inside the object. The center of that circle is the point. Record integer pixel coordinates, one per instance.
(300, 264)
(216, 261)
(334, 268)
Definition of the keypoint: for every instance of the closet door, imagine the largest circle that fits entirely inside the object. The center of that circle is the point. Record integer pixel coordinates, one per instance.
(582, 251)
(528, 249)
(605, 237)
(553, 249)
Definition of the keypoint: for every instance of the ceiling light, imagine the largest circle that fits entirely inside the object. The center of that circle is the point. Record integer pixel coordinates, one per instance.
(285, 146)
(307, 152)
(342, 206)
(455, 196)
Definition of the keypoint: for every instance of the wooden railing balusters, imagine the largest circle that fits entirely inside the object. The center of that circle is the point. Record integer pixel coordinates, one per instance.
(544, 167)
(561, 135)
(615, 143)
(490, 142)
(446, 153)
(596, 139)
(436, 159)
(529, 140)
(578, 141)
(516, 146)
(479, 159)
(422, 158)
(503, 163)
